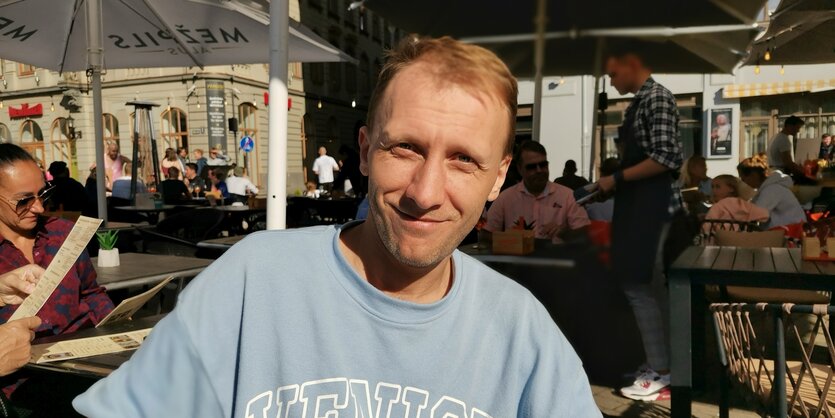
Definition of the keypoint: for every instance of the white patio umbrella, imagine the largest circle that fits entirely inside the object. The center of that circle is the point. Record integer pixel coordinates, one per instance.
(72, 35)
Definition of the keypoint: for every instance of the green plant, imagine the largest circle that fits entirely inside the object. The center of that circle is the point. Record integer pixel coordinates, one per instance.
(107, 239)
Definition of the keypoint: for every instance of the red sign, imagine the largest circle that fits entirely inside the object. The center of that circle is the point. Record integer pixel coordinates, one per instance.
(267, 100)
(24, 111)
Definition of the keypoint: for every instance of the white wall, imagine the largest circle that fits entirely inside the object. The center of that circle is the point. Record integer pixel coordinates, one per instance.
(566, 120)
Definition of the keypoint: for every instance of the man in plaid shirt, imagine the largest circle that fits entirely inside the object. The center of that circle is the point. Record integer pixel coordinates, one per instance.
(646, 198)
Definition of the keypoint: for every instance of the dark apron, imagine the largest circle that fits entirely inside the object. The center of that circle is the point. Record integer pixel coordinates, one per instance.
(641, 210)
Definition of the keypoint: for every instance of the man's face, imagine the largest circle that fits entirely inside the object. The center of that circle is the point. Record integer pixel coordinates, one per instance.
(213, 153)
(827, 140)
(190, 173)
(533, 167)
(112, 152)
(721, 120)
(20, 180)
(435, 156)
(183, 153)
(621, 74)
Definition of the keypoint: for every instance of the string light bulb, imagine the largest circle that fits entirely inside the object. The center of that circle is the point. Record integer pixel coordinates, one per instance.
(353, 103)
(562, 80)
(782, 70)
(767, 55)
(1, 104)
(757, 68)
(319, 105)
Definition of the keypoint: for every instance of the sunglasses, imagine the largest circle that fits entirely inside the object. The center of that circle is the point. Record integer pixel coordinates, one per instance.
(24, 204)
(533, 166)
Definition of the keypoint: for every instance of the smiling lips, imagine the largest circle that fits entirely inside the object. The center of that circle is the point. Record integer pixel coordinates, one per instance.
(419, 223)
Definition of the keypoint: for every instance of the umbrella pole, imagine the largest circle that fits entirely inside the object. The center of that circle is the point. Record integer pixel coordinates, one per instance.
(598, 69)
(539, 60)
(277, 149)
(94, 56)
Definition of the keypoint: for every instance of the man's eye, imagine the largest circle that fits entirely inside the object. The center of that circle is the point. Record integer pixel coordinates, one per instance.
(465, 158)
(405, 146)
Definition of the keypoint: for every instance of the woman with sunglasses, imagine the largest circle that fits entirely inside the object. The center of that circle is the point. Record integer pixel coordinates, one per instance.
(27, 237)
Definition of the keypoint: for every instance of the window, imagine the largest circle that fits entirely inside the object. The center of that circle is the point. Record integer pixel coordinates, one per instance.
(363, 21)
(31, 139)
(248, 125)
(111, 128)
(25, 69)
(365, 75)
(174, 129)
(334, 68)
(376, 28)
(60, 145)
(5, 134)
(333, 9)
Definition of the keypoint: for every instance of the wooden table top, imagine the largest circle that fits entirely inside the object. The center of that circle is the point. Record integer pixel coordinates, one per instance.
(771, 264)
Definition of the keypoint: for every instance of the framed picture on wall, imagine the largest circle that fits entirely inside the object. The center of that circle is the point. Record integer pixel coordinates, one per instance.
(719, 133)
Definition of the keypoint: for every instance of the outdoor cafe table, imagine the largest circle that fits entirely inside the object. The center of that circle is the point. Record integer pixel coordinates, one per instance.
(95, 367)
(138, 269)
(781, 268)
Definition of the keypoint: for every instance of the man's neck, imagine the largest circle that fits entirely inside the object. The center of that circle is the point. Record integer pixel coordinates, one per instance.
(534, 192)
(641, 80)
(367, 255)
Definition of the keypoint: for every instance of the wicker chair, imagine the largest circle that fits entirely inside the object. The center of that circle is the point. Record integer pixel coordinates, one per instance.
(707, 234)
(801, 387)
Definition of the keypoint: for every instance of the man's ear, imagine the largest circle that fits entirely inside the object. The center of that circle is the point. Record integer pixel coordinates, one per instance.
(365, 146)
(497, 186)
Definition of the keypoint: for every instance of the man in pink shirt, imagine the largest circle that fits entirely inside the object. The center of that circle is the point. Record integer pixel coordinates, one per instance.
(551, 207)
(114, 164)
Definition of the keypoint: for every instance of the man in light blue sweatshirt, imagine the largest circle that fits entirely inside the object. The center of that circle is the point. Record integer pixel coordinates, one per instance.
(382, 318)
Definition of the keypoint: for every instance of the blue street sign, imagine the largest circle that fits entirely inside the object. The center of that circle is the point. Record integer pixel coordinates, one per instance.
(247, 143)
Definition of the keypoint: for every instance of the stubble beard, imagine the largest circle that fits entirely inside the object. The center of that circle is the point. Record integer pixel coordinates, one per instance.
(386, 235)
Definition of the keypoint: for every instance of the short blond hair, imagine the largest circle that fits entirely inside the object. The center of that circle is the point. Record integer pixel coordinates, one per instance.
(471, 67)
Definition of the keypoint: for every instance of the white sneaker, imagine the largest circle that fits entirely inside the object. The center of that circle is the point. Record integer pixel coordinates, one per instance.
(646, 385)
(661, 395)
(643, 368)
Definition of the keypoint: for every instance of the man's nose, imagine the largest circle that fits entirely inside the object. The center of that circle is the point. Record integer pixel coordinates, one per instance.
(427, 187)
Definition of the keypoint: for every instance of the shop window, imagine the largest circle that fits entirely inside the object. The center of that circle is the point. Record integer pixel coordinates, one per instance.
(174, 128)
(5, 134)
(111, 128)
(248, 125)
(31, 139)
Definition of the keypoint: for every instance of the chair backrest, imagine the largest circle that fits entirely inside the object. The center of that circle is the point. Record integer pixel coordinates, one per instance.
(758, 239)
(707, 234)
(751, 355)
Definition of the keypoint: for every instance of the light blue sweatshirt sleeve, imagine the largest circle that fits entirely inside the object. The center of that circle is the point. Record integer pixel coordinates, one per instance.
(186, 366)
(558, 385)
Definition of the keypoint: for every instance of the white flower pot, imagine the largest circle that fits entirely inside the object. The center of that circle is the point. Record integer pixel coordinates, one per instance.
(108, 258)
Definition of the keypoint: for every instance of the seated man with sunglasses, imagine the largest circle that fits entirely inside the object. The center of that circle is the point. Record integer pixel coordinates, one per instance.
(549, 207)
(27, 237)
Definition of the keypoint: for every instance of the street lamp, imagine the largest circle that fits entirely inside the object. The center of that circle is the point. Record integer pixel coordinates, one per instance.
(71, 132)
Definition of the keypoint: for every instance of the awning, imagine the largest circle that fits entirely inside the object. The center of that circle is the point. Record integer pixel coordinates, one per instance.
(734, 91)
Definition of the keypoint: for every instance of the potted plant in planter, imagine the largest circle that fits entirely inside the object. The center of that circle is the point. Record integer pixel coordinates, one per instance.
(108, 253)
(518, 240)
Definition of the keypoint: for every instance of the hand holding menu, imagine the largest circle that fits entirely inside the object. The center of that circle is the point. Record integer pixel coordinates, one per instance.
(62, 263)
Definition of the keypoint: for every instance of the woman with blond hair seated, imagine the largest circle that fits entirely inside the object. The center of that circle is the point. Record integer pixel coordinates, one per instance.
(729, 205)
(773, 192)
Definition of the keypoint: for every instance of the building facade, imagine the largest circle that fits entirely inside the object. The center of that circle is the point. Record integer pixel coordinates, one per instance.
(753, 101)
(337, 94)
(36, 106)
